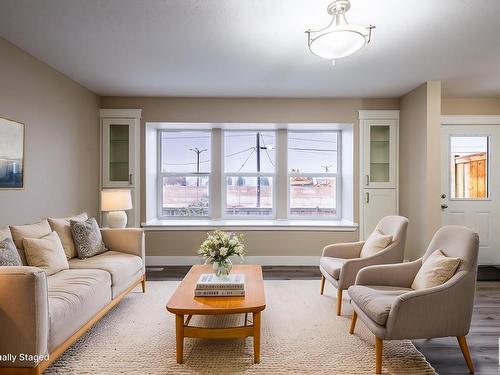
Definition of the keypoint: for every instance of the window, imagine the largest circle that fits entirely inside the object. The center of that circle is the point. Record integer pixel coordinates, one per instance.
(184, 173)
(313, 174)
(249, 169)
(229, 172)
(469, 167)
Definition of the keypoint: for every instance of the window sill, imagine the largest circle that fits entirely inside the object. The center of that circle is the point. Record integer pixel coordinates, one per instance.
(252, 225)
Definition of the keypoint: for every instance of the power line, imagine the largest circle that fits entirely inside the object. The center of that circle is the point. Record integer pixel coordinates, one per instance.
(242, 165)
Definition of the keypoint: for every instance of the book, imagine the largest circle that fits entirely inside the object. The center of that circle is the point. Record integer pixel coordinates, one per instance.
(210, 281)
(219, 293)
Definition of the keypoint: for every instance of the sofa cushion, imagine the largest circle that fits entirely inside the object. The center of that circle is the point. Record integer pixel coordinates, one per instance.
(63, 229)
(8, 253)
(75, 297)
(376, 301)
(46, 253)
(436, 270)
(88, 238)
(377, 241)
(124, 268)
(37, 230)
(332, 265)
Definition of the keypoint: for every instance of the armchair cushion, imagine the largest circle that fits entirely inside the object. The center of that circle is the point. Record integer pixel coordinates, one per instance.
(436, 270)
(376, 301)
(332, 265)
(124, 268)
(375, 243)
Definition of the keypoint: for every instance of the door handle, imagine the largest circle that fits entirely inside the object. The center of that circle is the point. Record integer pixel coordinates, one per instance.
(367, 197)
(130, 179)
(367, 180)
(444, 206)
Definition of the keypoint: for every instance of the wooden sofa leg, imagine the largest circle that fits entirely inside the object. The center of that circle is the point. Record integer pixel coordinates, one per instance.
(143, 282)
(339, 301)
(379, 344)
(353, 322)
(465, 351)
(322, 284)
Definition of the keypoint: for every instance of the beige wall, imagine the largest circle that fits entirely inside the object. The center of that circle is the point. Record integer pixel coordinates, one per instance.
(62, 139)
(249, 110)
(470, 106)
(419, 165)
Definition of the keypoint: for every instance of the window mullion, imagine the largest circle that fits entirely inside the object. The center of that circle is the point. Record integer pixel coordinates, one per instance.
(281, 185)
(217, 164)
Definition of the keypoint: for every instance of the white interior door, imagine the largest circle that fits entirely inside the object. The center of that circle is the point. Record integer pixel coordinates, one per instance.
(470, 179)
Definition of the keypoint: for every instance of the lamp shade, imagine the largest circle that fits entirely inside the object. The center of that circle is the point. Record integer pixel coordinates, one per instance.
(116, 200)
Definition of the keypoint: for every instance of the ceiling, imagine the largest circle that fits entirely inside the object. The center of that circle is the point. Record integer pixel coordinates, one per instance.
(257, 48)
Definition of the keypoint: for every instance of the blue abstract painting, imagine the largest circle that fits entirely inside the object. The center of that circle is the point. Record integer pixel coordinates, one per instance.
(11, 154)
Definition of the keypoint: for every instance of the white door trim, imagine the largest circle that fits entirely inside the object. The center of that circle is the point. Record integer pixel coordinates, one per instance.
(470, 120)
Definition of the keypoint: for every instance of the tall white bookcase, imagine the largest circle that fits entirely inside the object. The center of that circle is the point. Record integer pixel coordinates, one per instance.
(120, 156)
(378, 168)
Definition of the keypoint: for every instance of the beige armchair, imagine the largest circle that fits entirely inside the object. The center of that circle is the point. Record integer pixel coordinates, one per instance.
(340, 263)
(383, 299)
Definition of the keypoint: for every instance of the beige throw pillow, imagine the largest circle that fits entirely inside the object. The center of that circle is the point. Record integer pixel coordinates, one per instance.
(46, 253)
(63, 229)
(38, 230)
(375, 243)
(436, 270)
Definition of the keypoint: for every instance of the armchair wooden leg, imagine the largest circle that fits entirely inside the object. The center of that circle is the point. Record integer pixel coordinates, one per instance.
(143, 282)
(339, 301)
(465, 351)
(353, 322)
(322, 284)
(379, 344)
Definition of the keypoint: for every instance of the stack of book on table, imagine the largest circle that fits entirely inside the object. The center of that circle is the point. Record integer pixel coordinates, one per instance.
(209, 285)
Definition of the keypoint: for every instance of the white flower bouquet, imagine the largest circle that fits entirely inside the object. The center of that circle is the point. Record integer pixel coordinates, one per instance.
(219, 247)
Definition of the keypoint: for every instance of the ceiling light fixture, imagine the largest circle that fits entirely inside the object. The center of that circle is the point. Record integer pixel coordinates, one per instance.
(338, 39)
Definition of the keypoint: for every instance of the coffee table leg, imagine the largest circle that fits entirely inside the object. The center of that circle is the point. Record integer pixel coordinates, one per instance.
(256, 337)
(179, 336)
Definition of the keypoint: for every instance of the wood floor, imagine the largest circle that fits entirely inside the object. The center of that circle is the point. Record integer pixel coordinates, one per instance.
(443, 354)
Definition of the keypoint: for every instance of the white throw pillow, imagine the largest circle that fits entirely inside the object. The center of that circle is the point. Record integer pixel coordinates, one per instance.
(436, 270)
(46, 253)
(37, 230)
(375, 243)
(63, 229)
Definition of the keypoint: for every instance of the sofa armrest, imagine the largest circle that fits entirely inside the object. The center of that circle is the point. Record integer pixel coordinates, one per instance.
(126, 240)
(398, 274)
(343, 250)
(440, 311)
(24, 315)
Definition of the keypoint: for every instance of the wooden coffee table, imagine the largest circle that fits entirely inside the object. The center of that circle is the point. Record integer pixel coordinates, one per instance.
(183, 302)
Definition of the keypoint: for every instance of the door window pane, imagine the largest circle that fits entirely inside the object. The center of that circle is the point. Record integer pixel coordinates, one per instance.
(249, 196)
(313, 196)
(312, 152)
(185, 196)
(185, 151)
(469, 167)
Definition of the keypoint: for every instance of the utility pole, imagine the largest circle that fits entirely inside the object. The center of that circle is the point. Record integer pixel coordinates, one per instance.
(258, 147)
(198, 152)
(326, 168)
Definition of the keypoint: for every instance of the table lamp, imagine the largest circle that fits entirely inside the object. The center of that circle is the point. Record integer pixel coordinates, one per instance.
(115, 202)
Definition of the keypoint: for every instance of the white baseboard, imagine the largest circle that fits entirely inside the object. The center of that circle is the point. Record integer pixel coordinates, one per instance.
(262, 260)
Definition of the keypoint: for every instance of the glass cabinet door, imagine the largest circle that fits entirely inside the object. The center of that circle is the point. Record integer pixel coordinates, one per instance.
(380, 153)
(118, 149)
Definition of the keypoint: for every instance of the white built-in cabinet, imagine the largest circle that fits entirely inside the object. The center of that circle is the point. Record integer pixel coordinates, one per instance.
(120, 156)
(378, 167)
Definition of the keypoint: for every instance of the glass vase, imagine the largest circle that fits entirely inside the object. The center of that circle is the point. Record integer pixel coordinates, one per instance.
(223, 267)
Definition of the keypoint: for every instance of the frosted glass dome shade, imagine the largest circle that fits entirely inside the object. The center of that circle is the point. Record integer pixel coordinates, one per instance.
(337, 43)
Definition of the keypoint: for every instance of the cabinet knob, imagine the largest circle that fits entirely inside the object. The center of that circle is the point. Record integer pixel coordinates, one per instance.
(130, 179)
(367, 197)
(367, 180)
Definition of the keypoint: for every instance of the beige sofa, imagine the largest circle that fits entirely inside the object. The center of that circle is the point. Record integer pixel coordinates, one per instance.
(40, 316)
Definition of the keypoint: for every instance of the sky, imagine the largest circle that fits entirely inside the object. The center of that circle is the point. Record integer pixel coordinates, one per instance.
(312, 152)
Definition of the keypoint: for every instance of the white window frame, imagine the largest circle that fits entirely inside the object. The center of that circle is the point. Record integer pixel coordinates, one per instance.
(225, 175)
(337, 175)
(162, 174)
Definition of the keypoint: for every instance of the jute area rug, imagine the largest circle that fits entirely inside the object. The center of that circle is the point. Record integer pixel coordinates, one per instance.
(300, 335)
